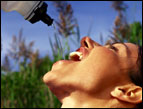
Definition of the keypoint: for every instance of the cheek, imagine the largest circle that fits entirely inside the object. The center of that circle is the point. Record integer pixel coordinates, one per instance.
(103, 57)
(99, 68)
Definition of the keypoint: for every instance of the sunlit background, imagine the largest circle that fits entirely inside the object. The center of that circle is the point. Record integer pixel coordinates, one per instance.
(24, 62)
(94, 18)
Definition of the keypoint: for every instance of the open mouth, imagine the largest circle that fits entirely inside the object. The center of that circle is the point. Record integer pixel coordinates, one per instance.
(75, 56)
(79, 54)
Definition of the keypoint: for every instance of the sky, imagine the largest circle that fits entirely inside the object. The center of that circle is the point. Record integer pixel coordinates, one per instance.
(97, 14)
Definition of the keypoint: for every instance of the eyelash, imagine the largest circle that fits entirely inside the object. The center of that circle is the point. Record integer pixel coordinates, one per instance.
(114, 48)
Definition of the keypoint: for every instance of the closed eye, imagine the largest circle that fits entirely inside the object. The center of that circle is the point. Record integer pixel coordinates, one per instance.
(113, 48)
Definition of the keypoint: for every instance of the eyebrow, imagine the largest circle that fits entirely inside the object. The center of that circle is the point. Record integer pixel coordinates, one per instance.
(120, 43)
(127, 49)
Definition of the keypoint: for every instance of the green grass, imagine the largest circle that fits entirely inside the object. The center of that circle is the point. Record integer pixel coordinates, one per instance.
(26, 89)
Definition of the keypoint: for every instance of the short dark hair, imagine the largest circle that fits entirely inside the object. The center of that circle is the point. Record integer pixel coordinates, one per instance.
(136, 77)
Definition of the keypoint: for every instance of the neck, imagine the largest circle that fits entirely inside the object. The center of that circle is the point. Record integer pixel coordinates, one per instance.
(82, 100)
(79, 99)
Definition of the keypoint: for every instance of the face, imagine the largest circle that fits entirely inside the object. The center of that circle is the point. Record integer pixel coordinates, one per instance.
(99, 68)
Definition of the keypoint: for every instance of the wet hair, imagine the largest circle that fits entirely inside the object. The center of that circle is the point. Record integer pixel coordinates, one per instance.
(136, 77)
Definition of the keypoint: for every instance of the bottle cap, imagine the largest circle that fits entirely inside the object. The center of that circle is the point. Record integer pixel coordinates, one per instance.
(39, 13)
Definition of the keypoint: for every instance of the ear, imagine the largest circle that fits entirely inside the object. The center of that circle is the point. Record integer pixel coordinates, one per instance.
(128, 93)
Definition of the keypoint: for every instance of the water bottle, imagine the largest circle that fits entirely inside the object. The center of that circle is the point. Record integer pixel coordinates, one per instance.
(33, 11)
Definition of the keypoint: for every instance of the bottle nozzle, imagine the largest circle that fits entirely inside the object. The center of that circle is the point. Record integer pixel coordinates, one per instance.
(47, 19)
(40, 14)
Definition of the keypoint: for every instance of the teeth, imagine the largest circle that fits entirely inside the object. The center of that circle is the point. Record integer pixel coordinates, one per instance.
(73, 54)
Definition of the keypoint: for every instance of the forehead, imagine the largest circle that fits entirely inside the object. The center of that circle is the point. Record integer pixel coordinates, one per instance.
(130, 45)
(131, 48)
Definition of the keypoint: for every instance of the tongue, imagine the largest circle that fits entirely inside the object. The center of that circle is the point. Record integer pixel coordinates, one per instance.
(75, 58)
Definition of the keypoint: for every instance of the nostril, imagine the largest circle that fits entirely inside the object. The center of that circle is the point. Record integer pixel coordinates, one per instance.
(85, 43)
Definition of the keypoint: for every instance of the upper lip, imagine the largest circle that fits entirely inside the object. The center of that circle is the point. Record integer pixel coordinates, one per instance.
(84, 53)
(82, 50)
(86, 45)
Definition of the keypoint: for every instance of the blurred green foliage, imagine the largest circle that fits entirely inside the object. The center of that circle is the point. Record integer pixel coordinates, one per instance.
(135, 33)
(25, 88)
(122, 30)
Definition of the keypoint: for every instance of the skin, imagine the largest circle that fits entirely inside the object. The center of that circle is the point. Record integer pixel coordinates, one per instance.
(100, 79)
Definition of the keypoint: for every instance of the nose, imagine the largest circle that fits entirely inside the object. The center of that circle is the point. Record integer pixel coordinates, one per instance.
(88, 42)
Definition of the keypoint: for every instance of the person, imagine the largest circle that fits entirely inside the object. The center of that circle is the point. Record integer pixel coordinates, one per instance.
(98, 76)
